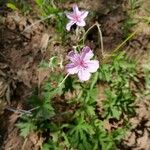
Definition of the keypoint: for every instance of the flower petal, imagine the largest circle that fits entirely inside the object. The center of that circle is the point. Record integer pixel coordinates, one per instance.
(84, 75)
(92, 65)
(84, 14)
(86, 53)
(76, 10)
(81, 23)
(73, 56)
(71, 68)
(70, 16)
(68, 26)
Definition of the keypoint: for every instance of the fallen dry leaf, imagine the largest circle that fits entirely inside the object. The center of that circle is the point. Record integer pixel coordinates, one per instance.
(44, 42)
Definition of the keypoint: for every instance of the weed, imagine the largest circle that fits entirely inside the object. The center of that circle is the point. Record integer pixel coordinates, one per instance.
(82, 129)
(146, 19)
(21, 5)
(72, 121)
(49, 9)
(133, 5)
(130, 21)
(146, 70)
(119, 98)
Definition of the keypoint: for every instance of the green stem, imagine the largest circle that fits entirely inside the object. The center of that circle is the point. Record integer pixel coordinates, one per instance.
(63, 80)
(100, 35)
(94, 81)
(119, 46)
(101, 39)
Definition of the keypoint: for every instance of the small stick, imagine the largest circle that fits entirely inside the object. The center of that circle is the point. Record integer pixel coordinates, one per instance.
(63, 80)
(27, 28)
(17, 110)
(20, 111)
(24, 143)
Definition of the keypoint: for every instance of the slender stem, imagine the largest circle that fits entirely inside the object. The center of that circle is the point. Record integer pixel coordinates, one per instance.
(21, 111)
(79, 95)
(77, 32)
(27, 28)
(24, 143)
(83, 37)
(119, 46)
(32, 109)
(53, 4)
(101, 39)
(127, 39)
(63, 80)
(15, 110)
(100, 35)
(94, 80)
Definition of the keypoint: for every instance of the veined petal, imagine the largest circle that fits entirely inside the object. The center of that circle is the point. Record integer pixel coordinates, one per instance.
(81, 23)
(68, 26)
(71, 54)
(71, 68)
(84, 14)
(92, 65)
(70, 16)
(86, 53)
(74, 57)
(84, 75)
(76, 10)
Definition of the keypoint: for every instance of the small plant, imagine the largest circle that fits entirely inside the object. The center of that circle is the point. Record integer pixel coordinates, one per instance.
(22, 5)
(64, 111)
(47, 7)
(80, 127)
(119, 97)
(133, 4)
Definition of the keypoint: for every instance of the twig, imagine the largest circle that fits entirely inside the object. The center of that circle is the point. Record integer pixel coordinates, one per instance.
(21, 111)
(33, 109)
(16, 110)
(27, 28)
(24, 143)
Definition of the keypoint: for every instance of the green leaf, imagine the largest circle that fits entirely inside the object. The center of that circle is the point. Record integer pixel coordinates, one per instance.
(26, 128)
(12, 6)
(39, 2)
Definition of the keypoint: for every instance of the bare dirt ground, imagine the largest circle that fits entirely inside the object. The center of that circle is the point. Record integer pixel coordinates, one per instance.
(20, 55)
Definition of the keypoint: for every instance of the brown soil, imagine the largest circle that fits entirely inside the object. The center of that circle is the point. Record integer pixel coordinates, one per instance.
(21, 53)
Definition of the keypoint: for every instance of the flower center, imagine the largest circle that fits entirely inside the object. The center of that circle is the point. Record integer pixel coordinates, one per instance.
(82, 64)
(76, 17)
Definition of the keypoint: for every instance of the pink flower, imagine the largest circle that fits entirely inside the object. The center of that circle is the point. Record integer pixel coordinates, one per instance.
(81, 64)
(76, 17)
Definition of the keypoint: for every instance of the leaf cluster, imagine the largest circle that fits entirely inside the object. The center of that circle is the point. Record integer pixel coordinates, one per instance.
(119, 97)
(80, 126)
